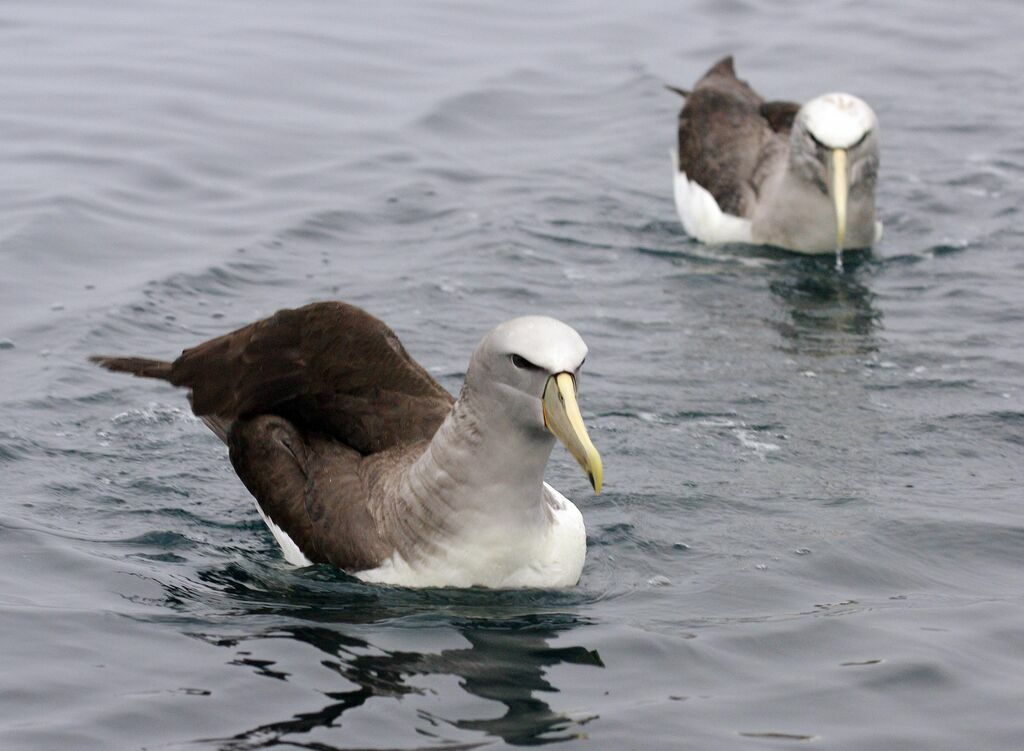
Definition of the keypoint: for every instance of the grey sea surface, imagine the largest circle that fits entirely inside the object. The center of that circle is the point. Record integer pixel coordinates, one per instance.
(811, 535)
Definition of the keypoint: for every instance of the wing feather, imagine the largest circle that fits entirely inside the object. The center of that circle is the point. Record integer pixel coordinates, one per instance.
(328, 367)
(723, 133)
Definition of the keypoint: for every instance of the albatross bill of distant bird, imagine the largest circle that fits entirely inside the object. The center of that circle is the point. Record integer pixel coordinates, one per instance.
(775, 173)
(358, 458)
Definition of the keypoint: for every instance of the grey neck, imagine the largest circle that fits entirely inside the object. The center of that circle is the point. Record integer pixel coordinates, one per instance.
(475, 471)
(795, 212)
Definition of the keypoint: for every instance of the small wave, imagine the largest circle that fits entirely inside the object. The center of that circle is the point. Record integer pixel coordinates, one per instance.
(154, 414)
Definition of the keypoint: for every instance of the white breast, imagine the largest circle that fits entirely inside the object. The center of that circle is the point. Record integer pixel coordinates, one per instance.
(500, 557)
(701, 215)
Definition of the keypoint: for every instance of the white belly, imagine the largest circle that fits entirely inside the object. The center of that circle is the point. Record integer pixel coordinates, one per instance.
(704, 220)
(499, 557)
(701, 215)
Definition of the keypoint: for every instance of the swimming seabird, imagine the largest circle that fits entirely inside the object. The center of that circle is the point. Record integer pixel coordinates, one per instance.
(358, 458)
(775, 173)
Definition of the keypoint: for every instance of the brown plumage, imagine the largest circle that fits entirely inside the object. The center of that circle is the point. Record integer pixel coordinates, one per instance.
(313, 403)
(726, 134)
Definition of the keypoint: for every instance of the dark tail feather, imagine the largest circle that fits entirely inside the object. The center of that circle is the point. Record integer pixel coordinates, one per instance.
(137, 366)
(675, 89)
(144, 368)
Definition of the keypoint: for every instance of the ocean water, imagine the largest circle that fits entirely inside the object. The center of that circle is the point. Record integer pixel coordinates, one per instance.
(812, 534)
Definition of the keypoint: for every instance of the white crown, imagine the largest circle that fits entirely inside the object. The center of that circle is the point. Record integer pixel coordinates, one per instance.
(837, 120)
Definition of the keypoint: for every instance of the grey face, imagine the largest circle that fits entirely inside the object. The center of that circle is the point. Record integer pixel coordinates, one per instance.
(519, 356)
(834, 147)
(528, 371)
(530, 378)
(812, 160)
(863, 167)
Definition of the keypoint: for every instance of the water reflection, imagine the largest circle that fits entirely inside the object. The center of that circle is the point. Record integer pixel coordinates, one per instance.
(508, 665)
(506, 661)
(827, 312)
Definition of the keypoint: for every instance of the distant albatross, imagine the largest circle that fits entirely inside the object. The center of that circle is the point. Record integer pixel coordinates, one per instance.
(357, 457)
(775, 173)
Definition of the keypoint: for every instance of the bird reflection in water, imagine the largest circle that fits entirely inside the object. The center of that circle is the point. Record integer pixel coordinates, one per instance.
(827, 313)
(506, 662)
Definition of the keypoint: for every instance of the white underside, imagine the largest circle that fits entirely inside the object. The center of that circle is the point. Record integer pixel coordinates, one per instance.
(500, 557)
(291, 551)
(701, 216)
(704, 220)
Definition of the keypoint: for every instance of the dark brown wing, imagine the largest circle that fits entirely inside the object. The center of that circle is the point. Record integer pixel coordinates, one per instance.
(780, 115)
(312, 488)
(721, 135)
(328, 367)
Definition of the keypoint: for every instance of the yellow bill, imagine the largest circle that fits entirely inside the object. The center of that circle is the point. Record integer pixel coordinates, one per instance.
(562, 417)
(840, 191)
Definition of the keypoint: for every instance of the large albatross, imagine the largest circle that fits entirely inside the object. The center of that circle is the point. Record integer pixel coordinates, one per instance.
(775, 173)
(357, 457)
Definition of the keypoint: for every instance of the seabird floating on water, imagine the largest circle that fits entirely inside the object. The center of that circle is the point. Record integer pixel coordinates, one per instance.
(775, 173)
(357, 457)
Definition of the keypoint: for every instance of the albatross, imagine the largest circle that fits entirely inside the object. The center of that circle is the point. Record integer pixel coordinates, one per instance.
(357, 457)
(799, 177)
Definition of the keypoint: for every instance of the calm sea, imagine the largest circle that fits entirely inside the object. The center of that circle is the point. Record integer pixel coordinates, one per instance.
(812, 532)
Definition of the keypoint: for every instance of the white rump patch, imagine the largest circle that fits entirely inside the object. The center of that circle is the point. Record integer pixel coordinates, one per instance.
(838, 120)
(291, 551)
(701, 216)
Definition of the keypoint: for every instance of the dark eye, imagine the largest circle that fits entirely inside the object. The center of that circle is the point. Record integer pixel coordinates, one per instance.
(522, 362)
(863, 138)
(816, 141)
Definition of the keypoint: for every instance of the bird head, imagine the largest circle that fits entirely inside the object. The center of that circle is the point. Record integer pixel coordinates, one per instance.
(530, 369)
(834, 143)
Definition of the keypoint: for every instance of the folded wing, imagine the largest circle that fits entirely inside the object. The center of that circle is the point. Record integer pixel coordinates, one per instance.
(725, 129)
(326, 367)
